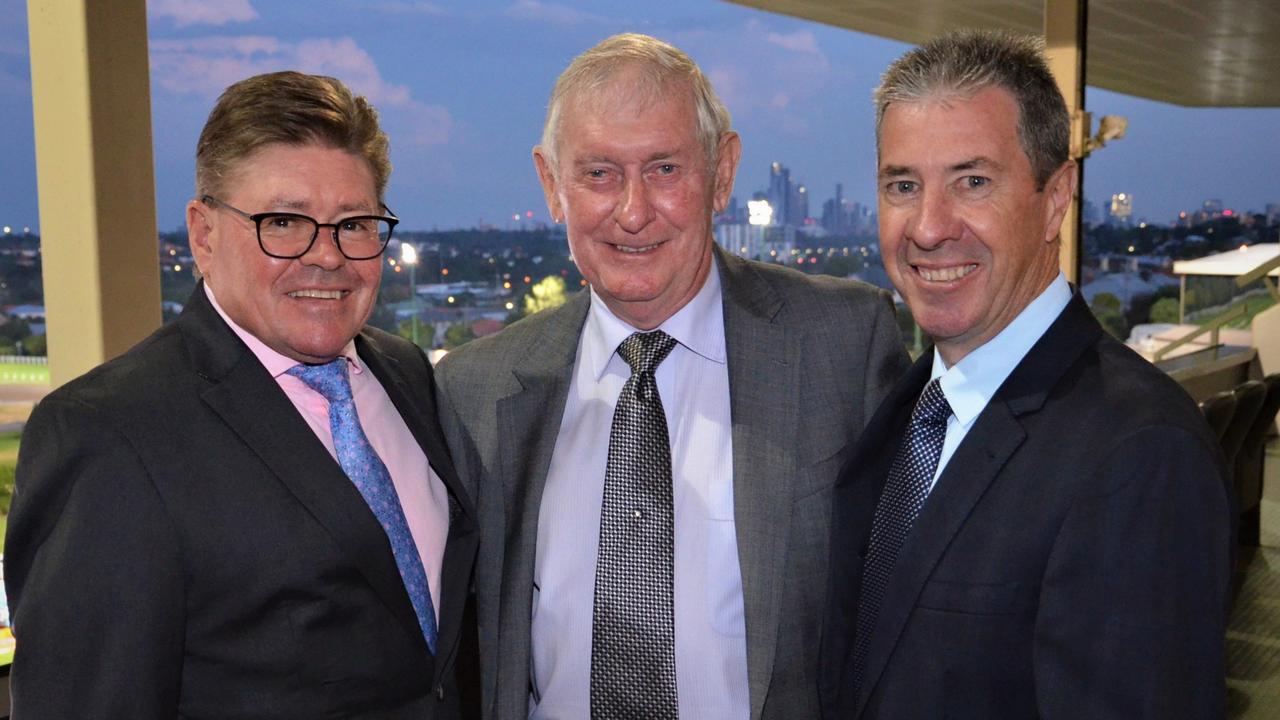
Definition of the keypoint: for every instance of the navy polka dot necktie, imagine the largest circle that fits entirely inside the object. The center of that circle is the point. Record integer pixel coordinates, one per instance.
(910, 478)
(361, 463)
(633, 662)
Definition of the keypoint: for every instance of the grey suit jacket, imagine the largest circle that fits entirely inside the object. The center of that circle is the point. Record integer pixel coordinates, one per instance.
(809, 359)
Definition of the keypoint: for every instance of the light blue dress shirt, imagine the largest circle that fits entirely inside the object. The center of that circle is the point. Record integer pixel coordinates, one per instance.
(971, 383)
(710, 637)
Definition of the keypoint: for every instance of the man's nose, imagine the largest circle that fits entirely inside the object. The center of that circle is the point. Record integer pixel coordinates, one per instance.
(935, 220)
(635, 209)
(324, 250)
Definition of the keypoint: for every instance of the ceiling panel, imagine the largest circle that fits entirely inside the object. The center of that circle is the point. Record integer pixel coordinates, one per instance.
(1186, 52)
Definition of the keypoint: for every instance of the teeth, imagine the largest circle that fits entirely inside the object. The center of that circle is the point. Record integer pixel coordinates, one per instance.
(947, 274)
(321, 294)
(629, 249)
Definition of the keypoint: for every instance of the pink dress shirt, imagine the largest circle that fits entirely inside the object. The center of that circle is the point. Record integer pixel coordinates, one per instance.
(422, 494)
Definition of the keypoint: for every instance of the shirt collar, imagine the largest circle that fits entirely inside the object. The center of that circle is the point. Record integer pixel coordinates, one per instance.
(698, 326)
(275, 363)
(971, 383)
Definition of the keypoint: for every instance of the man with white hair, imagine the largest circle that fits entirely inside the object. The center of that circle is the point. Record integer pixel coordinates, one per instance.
(654, 459)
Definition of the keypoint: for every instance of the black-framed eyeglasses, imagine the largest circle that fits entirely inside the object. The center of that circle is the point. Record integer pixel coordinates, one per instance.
(290, 235)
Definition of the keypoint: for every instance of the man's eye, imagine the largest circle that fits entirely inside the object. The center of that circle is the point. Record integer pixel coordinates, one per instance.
(596, 173)
(975, 181)
(280, 222)
(901, 187)
(666, 168)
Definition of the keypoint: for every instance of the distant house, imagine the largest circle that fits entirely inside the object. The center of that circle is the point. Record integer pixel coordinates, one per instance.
(486, 326)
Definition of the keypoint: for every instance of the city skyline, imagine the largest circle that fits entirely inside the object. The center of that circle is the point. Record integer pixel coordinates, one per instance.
(462, 88)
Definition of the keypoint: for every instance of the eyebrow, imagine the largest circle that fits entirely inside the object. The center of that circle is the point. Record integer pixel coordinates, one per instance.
(655, 156)
(301, 205)
(975, 163)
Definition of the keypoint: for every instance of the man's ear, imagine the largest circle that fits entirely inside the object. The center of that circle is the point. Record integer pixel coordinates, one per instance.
(199, 229)
(547, 176)
(730, 151)
(1058, 191)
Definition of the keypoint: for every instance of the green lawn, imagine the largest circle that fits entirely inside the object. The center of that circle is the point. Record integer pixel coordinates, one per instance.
(15, 374)
(8, 460)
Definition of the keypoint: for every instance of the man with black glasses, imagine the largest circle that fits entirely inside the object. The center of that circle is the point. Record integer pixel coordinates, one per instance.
(252, 513)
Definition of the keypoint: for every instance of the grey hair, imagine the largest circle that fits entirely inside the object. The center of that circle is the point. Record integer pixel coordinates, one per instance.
(965, 62)
(662, 67)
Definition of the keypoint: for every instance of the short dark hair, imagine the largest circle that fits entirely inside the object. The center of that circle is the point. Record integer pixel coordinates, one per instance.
(965, 62)
(291, 108)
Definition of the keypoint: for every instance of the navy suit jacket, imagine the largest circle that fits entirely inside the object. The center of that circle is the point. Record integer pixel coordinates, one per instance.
(1073, 560)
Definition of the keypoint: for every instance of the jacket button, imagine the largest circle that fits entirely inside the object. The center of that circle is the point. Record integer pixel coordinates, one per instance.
(440, 693)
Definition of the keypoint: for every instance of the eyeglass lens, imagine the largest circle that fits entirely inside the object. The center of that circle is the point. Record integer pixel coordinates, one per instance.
(290, 235)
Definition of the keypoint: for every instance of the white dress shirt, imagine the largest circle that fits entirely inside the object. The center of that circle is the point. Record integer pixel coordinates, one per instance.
(710, 637)
(971, 383)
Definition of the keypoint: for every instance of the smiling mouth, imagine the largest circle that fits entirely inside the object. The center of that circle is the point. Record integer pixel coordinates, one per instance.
(637, 250)
(947, 274)
(320, 294)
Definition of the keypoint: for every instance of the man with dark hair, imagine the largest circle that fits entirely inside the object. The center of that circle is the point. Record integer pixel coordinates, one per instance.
(1036, 522)
(654, 458)
(252, 513)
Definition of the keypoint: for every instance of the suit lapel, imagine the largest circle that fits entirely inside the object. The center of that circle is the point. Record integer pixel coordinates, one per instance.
(528, 421)
(417, 407)
(250, 402)
(977, 462)
(764, 372)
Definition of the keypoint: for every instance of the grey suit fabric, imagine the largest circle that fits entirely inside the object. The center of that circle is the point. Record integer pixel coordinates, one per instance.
(809, 359)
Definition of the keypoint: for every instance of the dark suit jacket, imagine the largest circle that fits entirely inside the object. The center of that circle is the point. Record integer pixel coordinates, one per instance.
(809, 358)
(1072, 561)
(182, 545)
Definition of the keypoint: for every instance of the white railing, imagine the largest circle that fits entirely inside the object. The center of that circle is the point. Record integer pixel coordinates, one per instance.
(25, 359)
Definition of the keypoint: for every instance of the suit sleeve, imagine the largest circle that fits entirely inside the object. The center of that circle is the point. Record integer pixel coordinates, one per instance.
(93, 573)
(1134, 599)
(887, 358)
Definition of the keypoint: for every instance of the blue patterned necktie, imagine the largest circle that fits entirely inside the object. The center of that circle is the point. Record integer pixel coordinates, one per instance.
(910, 477)
(633, 660)
(361, 463)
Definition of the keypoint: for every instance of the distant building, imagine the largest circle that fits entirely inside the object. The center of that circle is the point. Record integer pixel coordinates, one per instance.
(1089, 213)
(756, 242)
(779, 194)
(1121, 209)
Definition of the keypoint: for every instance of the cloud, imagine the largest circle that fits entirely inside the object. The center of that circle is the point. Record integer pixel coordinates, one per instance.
(185, 13)
(801, 41)
(549, 13)
(777, 85)
(203, 67)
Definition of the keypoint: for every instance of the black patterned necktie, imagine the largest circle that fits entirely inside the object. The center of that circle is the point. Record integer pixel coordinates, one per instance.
(633, 659)
(910, 477)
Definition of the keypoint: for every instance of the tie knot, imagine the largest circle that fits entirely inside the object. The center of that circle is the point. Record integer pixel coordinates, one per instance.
(645, 351)
(329, 379)
(932, 408)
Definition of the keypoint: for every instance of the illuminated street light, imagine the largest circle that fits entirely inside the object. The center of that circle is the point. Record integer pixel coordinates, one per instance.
(409, 256)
